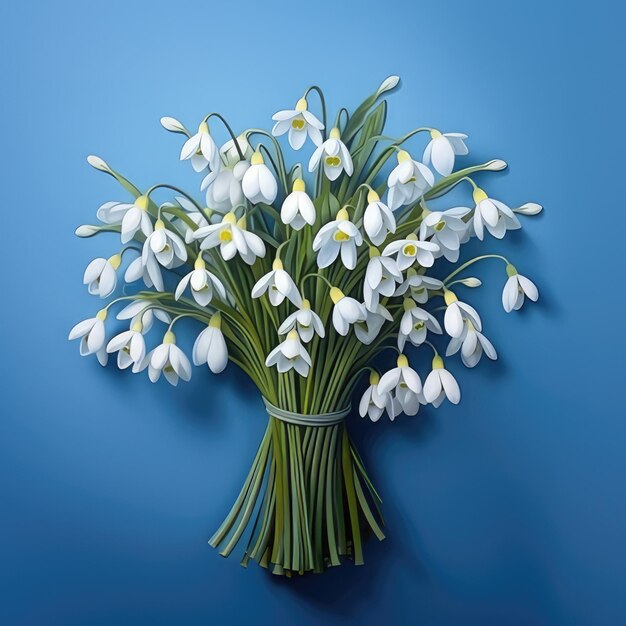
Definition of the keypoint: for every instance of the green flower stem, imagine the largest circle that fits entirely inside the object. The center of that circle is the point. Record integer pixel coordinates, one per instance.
(471, 262)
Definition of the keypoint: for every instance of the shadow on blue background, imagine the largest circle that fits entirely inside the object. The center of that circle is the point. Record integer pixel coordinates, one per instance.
(506, 510)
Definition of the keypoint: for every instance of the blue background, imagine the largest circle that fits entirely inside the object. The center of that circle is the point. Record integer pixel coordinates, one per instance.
(508, 509)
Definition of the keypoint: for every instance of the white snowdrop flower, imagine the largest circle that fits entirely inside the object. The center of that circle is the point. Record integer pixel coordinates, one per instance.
(516, 288)
(442, 149)
(456, 313)
(409, 250)
(232, 238)
(202, 283)
(162, 248)
(133, 217)
(299, 123)
(278, 285)
(440, 384)
(143, 312)
(418, 286)
(381, 276)
(223, 185)
(472, 344)
(258, 183)
(378, 220)
(137, 270)
(338, 236)
(415, 324)
(290, 354)
(373, 403)
(92, 336)
(101, 275)
(305, 321)
(367, 330)
(346, 311)
(407, 181)
(167, 359)
(130, 347)
(493, 215)
(447, 229)
(334, 157)
(201, 149)
(210, 346)
(298, 209)
(405, 384)
(199, 219)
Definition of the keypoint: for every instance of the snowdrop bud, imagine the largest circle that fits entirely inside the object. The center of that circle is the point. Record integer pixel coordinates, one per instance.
(98, 163)
(471, 282)
(86, 230)
(173, 125)
(530, 208)
(390, 83)
(496, 165)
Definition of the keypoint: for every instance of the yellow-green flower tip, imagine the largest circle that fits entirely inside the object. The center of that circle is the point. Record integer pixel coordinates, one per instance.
(343, 214)
(242, 222)
(302, 105)
(159, 225)
(137, 326)
(402, 361)
(336, 294)
(408, 304)
(412, 237)
(298, 185)
(230, 218)
(277, 264)
(101, 315)
(334, 133)
(293, 334)
(207, 212)
(306, 305)
(411, 273)
(402, 156)
(511, 270)
(479, 195)
(434, 134)
(374, 378)
(142, 202)
(372, 196)
(437, 363)
(449, 297)
(257, 158)
(216, 320)
(203, 128)
(199, 264)
(374, 252)
(115, 261)
(169, 337)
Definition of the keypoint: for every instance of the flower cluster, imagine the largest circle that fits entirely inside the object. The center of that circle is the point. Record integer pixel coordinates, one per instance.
(313, 278)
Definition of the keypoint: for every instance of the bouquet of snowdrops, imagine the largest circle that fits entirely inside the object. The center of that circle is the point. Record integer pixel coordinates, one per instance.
(302, 281)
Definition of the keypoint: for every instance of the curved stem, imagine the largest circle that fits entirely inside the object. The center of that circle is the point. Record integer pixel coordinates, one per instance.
(475, 260)
(316, 276)
(230, 132)
(320, 93)
(173, 188)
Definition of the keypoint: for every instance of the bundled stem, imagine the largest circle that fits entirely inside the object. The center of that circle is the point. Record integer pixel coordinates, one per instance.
(311, 499)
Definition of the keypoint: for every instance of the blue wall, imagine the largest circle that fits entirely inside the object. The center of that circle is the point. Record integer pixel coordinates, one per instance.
(508, 509)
